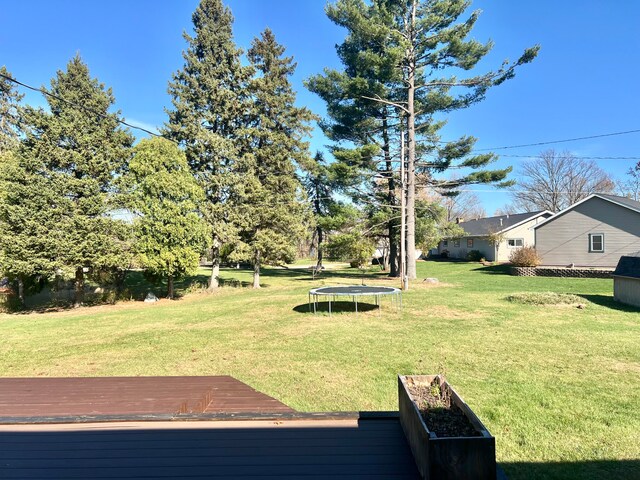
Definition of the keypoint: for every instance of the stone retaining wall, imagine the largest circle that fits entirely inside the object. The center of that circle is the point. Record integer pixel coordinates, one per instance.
(560, 272)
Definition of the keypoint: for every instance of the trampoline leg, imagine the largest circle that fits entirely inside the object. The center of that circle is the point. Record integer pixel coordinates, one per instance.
(329, 306)
(356, 300)
(315, 304)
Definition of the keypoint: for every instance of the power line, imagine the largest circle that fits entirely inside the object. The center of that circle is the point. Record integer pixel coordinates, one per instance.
(555, 141)
(573, 157)
(82, 107)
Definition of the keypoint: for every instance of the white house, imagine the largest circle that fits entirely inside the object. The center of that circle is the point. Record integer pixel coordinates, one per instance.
(513, 231)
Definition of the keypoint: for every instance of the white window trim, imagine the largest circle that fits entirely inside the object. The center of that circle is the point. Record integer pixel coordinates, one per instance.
(456, 243)
(591, 249)
(515, 239)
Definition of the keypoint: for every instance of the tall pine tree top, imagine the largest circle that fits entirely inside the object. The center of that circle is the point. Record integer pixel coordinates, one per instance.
(272, 216)
(10, 112)
(208, 93)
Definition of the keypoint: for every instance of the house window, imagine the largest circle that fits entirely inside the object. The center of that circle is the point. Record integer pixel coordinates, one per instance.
(456, 243)
(469, 242)
(445, 243)
(596, 242)
(515, 242)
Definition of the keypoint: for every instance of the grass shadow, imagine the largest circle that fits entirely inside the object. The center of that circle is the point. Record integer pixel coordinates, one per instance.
(609, 302)
(336, 307)
(588, 470)
(502, 269)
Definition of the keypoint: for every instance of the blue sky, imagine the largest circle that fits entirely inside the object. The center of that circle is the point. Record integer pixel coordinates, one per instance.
(582, 84)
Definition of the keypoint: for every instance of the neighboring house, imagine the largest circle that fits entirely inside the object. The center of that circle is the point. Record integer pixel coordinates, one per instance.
(594, 232)
(626, 280)
(514, 231)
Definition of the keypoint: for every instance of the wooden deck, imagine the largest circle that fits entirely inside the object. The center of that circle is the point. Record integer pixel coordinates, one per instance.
(347, 448)
(41, 398)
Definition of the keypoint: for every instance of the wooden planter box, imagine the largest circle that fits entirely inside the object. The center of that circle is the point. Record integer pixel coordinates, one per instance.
(445, 458)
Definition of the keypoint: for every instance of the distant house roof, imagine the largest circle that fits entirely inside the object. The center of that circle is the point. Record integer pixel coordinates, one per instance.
(622, 201)
(482, 227)
(628, 266)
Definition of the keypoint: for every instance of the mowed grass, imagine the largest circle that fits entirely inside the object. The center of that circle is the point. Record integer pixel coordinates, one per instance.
(558, 386)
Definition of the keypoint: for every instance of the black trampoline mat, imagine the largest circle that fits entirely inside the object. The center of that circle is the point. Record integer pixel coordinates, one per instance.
(354, 290)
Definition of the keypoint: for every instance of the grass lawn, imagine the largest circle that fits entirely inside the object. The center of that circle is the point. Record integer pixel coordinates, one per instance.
(558, 386)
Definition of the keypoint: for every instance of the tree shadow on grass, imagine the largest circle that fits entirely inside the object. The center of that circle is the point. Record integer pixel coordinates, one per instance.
(502, 269)
(609, 302)
(591, 470)
(336, 307)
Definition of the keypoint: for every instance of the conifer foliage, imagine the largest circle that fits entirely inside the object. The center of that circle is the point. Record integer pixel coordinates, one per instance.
(10, 112)
(162, 193)
(60, 187)
(209, 107)
(272, 214)
(401, 59)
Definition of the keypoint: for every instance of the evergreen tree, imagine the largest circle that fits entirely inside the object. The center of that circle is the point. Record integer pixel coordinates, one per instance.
(10, 112)
(162, 193)
(209, 107)
(419, 41)
(318, 186)
(78, 148)
(29, 214)
(271, 209)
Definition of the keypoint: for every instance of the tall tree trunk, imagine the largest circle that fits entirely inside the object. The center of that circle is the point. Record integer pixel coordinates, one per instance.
(256, 271)
(21, 291)
(411, 157)
(79, 287)
(320, 235)
(392, 224)
(170, 287)
(214, 280)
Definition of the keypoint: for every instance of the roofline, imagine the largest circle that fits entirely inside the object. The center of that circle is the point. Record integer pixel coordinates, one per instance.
(625, 276)
(571, 207)
(504, 230)
(527, 220)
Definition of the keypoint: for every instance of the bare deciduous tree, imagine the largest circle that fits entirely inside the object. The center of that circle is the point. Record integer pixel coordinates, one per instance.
(630, 185)
(466, 205)
(555, 181)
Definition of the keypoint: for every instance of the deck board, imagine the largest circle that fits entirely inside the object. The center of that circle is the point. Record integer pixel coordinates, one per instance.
(58, 397)
(321, 449)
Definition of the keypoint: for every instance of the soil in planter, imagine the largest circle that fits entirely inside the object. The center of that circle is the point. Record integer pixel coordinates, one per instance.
(441, 415)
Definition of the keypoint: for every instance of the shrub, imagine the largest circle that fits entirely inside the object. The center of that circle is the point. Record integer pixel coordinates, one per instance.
(525, 257)
(474, 255)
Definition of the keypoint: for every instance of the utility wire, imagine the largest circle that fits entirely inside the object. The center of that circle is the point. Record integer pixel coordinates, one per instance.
(83, 107)
(556, 141)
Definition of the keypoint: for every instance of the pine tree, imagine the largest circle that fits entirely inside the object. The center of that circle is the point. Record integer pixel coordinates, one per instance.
(209, 107)
(10, 112)
(271, 209)
(78, 147)
(318, 186)
(29, 213)
(162, 193)
(418, 41)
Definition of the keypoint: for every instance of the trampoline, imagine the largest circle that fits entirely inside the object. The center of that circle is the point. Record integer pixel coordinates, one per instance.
(353, 291)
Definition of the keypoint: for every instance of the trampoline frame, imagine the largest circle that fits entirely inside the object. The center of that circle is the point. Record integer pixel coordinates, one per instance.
(316, 293)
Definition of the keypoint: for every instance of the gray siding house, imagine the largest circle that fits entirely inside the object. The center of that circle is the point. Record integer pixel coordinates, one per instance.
(594, 232)
(516, 232)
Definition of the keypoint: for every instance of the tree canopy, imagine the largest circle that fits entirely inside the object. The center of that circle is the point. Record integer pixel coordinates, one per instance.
(162, 193)
(209, 96)
(400, 59)
(63, 182)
